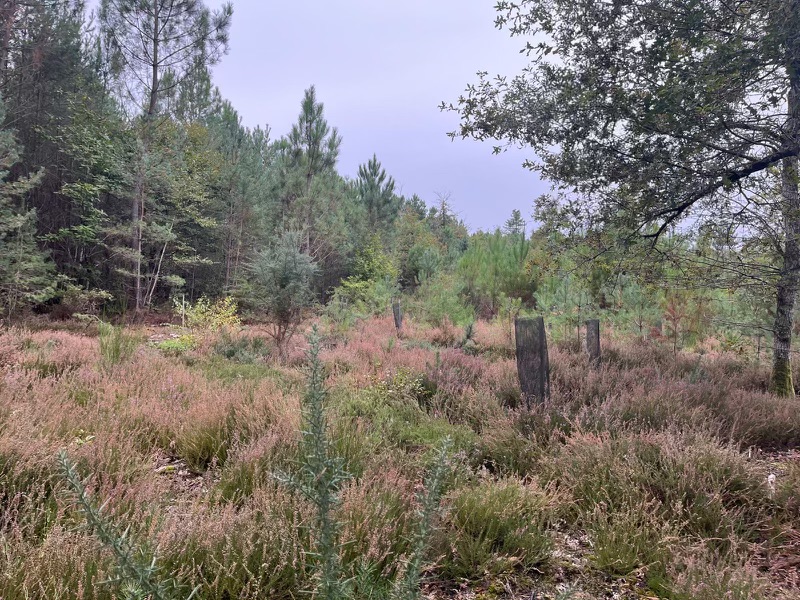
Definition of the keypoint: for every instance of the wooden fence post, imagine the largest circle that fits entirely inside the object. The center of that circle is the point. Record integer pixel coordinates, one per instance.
(533, 365)
(398, 316)
(593, 340)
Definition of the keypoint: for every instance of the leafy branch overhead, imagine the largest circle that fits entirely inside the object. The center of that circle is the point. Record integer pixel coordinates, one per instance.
(654, 115)
(650, 109)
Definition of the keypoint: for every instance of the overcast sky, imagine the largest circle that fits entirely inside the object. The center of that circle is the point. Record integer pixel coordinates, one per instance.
(381, 68)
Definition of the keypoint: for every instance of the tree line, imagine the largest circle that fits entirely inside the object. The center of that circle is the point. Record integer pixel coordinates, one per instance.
(670, 133)
(128, 179)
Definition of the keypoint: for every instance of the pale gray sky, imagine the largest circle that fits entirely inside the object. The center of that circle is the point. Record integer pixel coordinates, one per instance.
(381, 67)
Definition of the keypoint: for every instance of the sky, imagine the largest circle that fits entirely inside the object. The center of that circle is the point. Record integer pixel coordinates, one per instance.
(381, 68)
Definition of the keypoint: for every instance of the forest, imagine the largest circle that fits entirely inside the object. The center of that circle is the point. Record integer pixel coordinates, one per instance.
(227, 370)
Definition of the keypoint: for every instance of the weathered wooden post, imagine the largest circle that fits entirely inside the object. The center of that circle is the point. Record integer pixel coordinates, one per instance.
(398, 316)
(533, 365)
(593, 340)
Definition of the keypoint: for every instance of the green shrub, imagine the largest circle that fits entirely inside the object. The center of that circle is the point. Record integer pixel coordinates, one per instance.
(355, 442)
(395, 409)
(177, 346)
(116, 345)
(373, 284)
(207, 315)
(239, 478)
(495, 527)
(710, 490)
(230, 372)
(319, 479)
(340, 315)
(628, 538)
(439, 299)
(242, 349)
(364, 298)
(205, 444)
(428, 433)
(504, 450)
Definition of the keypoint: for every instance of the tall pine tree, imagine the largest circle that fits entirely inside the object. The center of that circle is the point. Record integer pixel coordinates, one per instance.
(152, 46)
(25, 274)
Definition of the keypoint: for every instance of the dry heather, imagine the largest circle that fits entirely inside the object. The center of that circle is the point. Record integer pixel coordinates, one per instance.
(646, 477)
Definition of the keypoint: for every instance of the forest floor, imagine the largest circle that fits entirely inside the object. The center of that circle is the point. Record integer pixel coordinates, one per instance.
(655, 475)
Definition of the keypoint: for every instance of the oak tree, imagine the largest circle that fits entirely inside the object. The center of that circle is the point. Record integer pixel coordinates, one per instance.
(657, 113)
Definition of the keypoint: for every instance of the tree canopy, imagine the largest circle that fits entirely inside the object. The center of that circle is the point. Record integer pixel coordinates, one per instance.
(650, 108)
(652, 113)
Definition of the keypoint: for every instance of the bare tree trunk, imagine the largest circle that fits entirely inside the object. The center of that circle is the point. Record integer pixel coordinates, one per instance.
(152, 289)
(593, 341)
(137, 211)
(238, 258)
(137, 206)
(398, 316)
(8, 13)
(788, 284)
(152, 105)
(309, 213)
(229, 242)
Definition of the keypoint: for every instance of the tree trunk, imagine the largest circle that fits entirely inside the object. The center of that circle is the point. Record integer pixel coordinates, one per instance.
(230, 226)
(155, 62)
(782, 383)
(137, 206)
(137, 210)
(789, 282)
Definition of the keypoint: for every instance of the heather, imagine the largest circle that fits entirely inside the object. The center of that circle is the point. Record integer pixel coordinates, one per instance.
(646, 475)
(233, 365)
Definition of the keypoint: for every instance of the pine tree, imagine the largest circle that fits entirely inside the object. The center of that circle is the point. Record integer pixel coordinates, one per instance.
(515, 225)
(376, 192)
(152, 46)
(25, 275)
(280, 285)
(248, 214)
(309, 156)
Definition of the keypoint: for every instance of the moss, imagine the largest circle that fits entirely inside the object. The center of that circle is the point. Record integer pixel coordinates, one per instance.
(782, 384)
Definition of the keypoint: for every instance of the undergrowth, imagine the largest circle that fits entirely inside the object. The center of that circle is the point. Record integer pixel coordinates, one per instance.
(660, 474)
